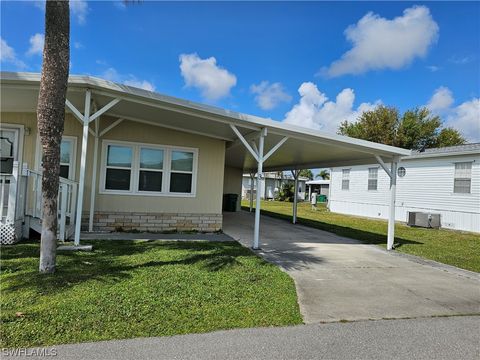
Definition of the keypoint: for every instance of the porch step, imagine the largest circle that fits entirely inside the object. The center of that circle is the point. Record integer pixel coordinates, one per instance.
(36, 225)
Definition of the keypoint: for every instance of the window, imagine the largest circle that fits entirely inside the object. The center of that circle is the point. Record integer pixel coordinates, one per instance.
(119, 167)
(401, 171)
(182, 172)
(151, 170)
(372, 178)
(463, 178)
(67, 156)
(345, 179)
(148, 169)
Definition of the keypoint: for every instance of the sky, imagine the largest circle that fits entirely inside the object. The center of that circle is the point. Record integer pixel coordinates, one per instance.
(313, 64)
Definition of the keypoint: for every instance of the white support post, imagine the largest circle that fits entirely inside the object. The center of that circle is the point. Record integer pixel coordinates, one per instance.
(256, 231)
(83, 161)
(12, 194)
(295, 195)
(252, 177)
(93, 189)
(63, 210)
(391, 217)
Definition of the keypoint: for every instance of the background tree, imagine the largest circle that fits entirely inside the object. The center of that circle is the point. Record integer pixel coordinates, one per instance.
(51, 118)
(306, 173)
(449, 137)
(416, 129)
(324, 175)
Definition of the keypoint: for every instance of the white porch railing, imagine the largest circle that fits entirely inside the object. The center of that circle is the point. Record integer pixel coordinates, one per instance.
(12, 201)
(66, 204)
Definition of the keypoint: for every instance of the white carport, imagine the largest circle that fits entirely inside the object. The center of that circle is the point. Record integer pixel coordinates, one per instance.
(253, 144)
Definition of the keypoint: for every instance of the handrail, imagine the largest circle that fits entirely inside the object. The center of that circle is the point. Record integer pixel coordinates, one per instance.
(66, 204)
(62, 179)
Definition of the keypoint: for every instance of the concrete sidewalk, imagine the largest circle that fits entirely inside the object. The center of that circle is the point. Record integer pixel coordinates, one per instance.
(342, 279)
(85, 236)
(429, 339)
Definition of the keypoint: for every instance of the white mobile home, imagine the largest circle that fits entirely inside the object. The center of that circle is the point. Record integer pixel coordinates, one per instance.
(138, 160)
(272, 183)
(443, 181)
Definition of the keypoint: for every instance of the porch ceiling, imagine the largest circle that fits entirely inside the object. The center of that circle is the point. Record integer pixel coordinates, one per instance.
(305, 148)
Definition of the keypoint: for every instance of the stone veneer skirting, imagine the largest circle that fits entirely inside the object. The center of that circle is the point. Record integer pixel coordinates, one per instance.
(126, 221)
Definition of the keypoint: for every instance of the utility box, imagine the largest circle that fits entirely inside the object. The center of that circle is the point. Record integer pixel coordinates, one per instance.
(422, 219)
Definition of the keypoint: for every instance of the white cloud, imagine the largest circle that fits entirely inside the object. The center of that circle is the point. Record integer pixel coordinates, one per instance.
(441, 100)
(269, 96)
(213, 81)
(78, 45)
(8, 55)
(142, 84)
(37, 42)
(79, 9)
(380, 43)
(120, 5)
(464, 117)
(315, 111)
(131, 80)
(459, 60)
(433, 68)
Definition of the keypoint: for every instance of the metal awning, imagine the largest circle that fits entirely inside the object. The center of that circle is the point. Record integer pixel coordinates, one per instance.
(253, 144)
(305, 148)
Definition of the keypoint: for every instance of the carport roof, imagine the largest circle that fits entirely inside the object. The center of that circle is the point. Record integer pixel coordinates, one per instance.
(305, 148)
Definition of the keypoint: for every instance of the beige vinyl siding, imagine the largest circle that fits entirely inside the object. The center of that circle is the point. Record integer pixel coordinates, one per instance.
(233, 183)
(211, 159)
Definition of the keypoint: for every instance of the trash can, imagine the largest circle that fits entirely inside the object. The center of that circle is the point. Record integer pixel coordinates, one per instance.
(230, 202)
(321, 198)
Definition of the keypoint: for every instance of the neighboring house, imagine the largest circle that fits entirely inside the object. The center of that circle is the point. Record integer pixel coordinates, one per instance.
(321, 187)
(443, 181)
(132, 159)
(273, 183)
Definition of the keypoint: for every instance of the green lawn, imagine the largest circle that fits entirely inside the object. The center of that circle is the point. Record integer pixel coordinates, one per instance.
(455, 248)
(126, 289)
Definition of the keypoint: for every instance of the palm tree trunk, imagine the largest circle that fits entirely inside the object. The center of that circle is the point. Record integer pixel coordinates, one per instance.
(51, 118)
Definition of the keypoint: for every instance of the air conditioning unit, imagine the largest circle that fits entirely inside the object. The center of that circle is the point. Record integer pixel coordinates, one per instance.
(422, 219)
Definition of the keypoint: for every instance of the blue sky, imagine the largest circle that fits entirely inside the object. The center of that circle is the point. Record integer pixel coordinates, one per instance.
(312, 64)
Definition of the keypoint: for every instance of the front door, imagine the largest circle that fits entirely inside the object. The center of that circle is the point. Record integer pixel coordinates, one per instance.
(8, 154)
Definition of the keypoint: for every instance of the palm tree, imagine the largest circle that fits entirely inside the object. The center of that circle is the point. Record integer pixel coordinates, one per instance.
(324, 174)
(51, 118)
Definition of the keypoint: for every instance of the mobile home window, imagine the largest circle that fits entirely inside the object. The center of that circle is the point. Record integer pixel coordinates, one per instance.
(119, 167)
(141, 169)
(463, 178)
(181, 172)
(150, 175)
(372, 178)
(345, 179)
(67, 156)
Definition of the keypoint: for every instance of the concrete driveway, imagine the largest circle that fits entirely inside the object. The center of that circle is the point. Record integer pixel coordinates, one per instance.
(341, 279)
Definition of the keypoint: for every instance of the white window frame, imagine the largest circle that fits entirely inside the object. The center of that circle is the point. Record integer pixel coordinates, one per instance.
(73, 156)
(455, 177)
(345, 178)
(135, 170)
(371, 178)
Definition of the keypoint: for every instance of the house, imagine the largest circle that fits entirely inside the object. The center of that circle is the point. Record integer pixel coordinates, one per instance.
(273, 182)
(321, 187)
(138, 160)
(443, 181)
